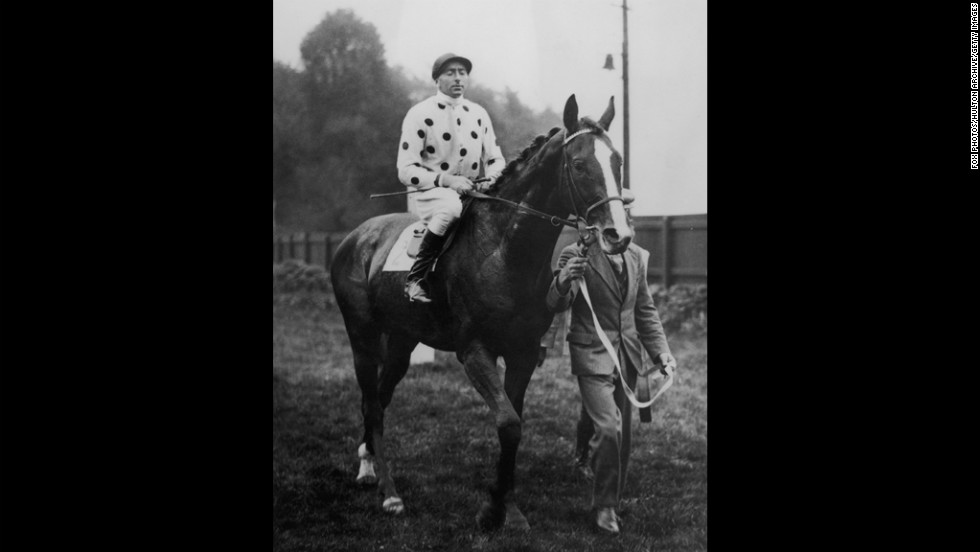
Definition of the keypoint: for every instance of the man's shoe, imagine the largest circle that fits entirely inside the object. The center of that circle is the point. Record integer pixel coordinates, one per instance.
(606, 519)
(416, 293)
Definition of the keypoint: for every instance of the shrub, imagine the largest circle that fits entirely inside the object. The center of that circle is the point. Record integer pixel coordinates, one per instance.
(296, 282)
(684, 308)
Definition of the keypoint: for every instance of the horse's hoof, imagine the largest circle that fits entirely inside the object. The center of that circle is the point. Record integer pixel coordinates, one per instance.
(366, 475)
(515, 520)
(607, 521)
(489, 518)
(393, 505)
(367, 480)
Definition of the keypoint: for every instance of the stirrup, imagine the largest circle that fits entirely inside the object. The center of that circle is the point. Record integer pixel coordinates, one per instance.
(415, 293)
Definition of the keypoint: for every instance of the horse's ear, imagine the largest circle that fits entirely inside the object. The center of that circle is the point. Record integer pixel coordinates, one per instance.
(571, 114)
(607, 117)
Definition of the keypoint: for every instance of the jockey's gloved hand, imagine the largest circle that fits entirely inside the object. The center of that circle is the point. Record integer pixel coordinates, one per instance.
(486, 185)
(459, 184)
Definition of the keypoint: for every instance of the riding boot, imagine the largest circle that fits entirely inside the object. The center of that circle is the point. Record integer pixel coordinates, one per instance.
(415, 286)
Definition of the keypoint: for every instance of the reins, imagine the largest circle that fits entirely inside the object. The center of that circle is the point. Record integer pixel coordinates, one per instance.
(580, 221)
(584, 289)
(555, 220)
(667, 372)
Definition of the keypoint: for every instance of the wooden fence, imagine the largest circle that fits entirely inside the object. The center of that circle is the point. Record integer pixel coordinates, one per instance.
(310, 247)
(678, 247)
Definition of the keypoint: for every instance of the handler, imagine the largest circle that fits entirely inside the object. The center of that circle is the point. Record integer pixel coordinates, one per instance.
(444, 139)
(625, 309)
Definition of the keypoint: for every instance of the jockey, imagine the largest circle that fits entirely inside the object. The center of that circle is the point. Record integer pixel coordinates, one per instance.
(443, 142)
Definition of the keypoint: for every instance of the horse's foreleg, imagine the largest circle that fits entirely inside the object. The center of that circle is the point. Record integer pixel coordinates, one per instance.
(520, 368)
(481, 367)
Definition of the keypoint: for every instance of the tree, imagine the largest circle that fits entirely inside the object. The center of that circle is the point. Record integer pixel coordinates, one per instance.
(353, 105)
(290, 137)
(514, 123)
(346, 70)
(342, 48)
(336, 125)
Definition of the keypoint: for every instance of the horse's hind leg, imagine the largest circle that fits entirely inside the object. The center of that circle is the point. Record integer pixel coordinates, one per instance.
(366, 348)
(397, 356)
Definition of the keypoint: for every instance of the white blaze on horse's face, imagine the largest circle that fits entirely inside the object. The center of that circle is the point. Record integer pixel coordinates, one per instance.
(613, 239)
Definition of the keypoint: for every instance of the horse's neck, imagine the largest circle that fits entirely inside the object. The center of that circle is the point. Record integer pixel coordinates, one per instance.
(528, 241)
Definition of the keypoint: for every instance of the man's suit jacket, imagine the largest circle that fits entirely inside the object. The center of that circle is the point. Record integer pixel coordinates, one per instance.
(629, 319)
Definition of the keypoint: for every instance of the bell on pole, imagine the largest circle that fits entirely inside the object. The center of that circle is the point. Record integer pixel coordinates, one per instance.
(609, 62)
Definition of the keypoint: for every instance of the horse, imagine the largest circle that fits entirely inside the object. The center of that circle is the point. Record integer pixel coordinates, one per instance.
(488, 291)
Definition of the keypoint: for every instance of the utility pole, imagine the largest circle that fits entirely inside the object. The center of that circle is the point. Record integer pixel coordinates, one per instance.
(626, 98)
(626, 102)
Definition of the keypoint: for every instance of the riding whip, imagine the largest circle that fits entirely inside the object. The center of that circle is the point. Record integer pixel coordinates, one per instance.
(403, 192)
(406, 192)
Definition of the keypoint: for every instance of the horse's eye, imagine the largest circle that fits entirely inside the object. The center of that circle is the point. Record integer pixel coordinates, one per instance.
(579, 165)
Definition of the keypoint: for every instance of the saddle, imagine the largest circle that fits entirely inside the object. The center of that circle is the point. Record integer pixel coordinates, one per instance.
(402, 254)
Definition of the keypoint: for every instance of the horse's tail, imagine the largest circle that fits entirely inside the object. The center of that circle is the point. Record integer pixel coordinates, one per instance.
(358, 262)
(349, 271)
(342, 267)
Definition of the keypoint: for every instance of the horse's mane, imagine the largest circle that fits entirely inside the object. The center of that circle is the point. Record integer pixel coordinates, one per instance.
(526, 154)
(533, 148)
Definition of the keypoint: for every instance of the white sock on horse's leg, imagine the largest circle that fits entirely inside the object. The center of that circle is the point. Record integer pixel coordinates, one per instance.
(366, 475)
(393, 505)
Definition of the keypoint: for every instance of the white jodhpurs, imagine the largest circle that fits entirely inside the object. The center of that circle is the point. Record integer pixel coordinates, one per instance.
(439, 207)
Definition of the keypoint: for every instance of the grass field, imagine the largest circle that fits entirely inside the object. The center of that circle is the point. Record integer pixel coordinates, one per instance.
(444, 447)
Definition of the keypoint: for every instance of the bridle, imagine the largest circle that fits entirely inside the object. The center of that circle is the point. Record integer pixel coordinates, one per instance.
(579, 222)
(583, 230)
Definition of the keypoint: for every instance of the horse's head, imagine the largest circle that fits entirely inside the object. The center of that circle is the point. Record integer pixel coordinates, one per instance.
(592, 173)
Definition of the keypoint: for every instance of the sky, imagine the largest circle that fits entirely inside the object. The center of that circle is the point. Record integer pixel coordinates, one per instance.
(546, 50)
